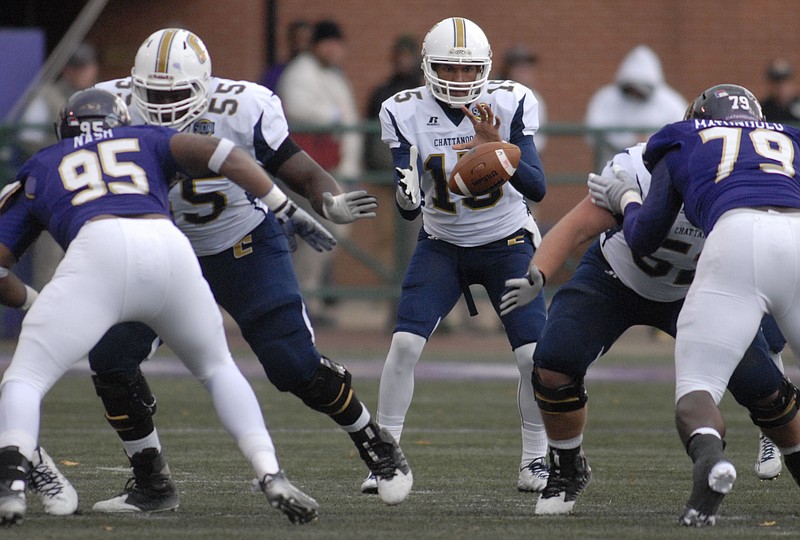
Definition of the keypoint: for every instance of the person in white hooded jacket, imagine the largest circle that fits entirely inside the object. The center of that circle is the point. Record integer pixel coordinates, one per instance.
(639, 97)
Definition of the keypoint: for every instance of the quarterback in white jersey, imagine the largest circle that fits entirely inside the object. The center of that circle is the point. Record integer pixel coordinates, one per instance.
(613, 289)
(416, 118)
(244, 255)
(463, 240)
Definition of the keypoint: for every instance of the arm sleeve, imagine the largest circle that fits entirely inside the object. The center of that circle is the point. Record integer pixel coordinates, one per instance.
(647, 225)
(529, 178)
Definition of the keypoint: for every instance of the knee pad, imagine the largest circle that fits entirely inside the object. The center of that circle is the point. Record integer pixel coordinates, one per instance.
(781, 411)
(126, 397)
(567, 398)
(330, 390)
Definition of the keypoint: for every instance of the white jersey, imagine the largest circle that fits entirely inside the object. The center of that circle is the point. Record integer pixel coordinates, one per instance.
(665, 275)
(417, 118)
(215, 213)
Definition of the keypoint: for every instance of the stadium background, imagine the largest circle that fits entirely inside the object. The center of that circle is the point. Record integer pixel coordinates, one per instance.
(579, 43)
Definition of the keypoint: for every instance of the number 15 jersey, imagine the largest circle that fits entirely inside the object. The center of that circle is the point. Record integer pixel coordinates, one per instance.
(415, 117)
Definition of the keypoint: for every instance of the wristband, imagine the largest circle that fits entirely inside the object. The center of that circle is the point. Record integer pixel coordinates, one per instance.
(275, 199)
(628, 197)
(221, 153)
(29, 298)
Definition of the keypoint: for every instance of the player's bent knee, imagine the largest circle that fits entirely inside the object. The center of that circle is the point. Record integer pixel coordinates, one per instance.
(563, 399)
(330, 390)
(126, 397)
(779, 411)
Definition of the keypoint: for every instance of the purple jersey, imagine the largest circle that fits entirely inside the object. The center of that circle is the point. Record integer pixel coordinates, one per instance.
(122, 171)
(712, 166)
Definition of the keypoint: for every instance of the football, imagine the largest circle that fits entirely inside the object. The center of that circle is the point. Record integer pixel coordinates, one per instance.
(484, 168)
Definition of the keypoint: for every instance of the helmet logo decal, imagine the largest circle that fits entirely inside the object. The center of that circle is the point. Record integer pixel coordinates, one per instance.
(198, 48)
(163, 50)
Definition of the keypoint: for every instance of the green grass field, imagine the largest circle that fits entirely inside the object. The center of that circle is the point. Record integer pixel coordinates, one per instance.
(462, 440)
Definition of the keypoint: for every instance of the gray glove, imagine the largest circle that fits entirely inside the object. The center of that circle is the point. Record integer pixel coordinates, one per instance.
(296, 221)
(348, 207)
(408, 192)
(614, 193)
(522, 291)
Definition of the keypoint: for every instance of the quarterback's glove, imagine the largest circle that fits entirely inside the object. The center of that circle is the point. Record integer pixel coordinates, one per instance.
(521, 291)
(614, 193)
(348, 207)
(407, 192)
(296, 221)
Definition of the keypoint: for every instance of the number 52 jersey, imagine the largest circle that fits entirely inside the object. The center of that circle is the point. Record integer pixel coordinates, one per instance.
(415, 117)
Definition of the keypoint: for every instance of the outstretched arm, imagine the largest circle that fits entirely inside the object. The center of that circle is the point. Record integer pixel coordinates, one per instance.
(580, 225)
(200, 156)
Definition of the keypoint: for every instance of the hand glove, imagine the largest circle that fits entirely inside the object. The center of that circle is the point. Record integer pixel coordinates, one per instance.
(296, 221)
(348, 207)
(615, 193)
(521, 291)
(407, 193)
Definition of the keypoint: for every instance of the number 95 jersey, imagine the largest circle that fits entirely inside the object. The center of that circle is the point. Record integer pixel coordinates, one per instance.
(214, 213)
(415, 117)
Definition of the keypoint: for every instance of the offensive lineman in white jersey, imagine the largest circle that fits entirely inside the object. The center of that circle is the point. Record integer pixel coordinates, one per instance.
(612, 290)
(464, 240)
(245, 258)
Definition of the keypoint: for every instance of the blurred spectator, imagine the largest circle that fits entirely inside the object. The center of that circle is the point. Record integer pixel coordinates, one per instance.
(298, 40)
(79, 73)
(638, 98)
(406, 73)
(782, 103)
(520, 65)
(316, 93)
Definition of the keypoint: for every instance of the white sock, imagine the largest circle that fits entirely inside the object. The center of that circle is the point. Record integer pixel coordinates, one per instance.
(397, 381)
(534, 437)
(567, 444)
(360, 424)
(150, 441)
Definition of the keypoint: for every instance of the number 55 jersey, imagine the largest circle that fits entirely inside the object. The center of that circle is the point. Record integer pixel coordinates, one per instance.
(214, 213)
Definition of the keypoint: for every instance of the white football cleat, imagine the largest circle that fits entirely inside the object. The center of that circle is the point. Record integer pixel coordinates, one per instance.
(768, 463)
(390, 467)
(58, 496)
(533, 476)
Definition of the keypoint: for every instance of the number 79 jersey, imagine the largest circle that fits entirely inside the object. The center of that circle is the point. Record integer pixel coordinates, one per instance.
(415, 117)
(723, 165)
(214, 213)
